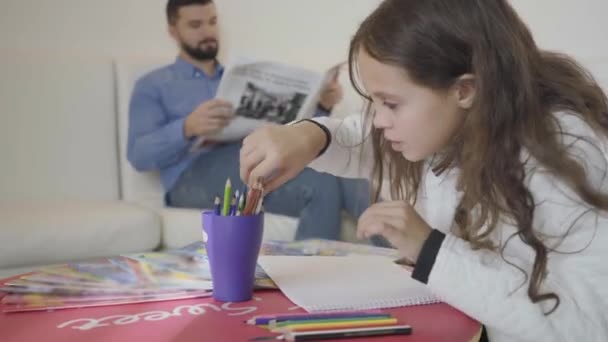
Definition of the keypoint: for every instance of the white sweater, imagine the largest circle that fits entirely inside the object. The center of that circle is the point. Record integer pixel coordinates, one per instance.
(481, 283)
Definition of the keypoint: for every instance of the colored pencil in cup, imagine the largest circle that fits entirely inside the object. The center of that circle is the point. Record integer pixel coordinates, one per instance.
(240, 205)
(217, 206)
(258, 209)
(252, 201)
(258, 205)
(227, 195)
(232, 211)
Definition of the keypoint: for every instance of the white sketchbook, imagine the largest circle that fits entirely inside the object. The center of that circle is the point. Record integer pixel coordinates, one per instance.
(329, 283)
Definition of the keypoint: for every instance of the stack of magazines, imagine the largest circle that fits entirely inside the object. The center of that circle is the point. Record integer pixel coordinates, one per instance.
(145, 277)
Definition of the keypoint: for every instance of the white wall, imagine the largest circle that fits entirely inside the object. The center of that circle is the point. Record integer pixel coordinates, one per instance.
(576, 27)
(310, 32)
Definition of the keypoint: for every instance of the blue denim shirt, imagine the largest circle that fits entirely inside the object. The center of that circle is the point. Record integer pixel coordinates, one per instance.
(160, 103)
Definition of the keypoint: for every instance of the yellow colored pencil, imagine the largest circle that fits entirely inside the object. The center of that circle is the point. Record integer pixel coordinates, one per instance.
(335, 325)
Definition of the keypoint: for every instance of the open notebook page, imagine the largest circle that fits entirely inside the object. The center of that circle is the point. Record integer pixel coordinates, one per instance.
(330, 283)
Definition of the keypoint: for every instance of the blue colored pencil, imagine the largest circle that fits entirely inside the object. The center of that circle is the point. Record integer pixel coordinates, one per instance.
(218, 206)
(232, 211)
(265, 320)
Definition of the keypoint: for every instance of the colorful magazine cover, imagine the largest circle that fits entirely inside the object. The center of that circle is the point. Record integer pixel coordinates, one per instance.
(192, 259)
(34, 302)
(144, 277)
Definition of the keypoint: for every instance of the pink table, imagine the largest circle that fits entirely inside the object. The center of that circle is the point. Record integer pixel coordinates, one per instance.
(199, 320)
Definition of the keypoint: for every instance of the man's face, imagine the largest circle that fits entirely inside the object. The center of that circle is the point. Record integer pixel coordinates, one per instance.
(195, 30)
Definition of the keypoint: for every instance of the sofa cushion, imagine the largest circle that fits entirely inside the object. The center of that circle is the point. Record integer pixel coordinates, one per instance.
(58, 132)
(34, 233)
(183, 226)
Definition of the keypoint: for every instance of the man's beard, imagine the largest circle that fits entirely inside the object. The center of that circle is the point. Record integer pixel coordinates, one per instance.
(202, 54)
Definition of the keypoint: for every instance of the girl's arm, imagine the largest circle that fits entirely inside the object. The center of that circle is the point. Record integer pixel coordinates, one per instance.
(349, 153)
(487, 287)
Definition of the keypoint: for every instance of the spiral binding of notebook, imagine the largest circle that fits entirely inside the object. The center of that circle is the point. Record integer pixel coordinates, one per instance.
(378, 304)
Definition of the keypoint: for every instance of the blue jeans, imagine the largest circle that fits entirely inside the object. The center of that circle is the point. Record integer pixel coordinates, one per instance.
(356, 196)
(316, 198)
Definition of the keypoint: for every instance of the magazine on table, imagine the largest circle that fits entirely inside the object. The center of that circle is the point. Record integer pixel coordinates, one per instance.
(144, 277)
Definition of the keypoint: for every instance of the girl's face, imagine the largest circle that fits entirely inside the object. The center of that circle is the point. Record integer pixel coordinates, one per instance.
(416, 120)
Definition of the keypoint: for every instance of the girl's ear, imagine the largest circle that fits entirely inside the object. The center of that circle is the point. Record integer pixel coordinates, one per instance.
(464, 91)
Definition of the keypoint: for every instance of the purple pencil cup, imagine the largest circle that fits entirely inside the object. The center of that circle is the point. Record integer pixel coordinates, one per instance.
(233, 246)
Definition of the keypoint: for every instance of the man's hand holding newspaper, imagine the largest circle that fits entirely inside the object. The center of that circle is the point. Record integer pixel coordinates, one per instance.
(262, 92)
(208, 118)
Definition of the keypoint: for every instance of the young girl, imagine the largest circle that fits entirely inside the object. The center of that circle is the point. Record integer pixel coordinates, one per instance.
(492, 149)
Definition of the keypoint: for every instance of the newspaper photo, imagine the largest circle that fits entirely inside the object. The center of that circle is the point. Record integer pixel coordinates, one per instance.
(268, 92)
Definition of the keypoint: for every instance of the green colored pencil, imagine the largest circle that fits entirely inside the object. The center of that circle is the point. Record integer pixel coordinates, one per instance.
(227, 196)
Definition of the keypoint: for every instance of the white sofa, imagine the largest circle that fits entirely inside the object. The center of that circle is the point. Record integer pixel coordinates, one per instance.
(67, 192)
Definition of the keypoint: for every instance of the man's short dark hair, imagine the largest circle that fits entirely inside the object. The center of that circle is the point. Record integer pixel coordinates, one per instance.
(173, 7)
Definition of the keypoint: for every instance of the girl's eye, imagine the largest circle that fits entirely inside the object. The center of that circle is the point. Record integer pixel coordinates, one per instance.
(389, 105)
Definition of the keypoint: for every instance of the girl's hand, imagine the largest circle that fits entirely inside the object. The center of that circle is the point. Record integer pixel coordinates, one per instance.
(399, 223)
(278, 153)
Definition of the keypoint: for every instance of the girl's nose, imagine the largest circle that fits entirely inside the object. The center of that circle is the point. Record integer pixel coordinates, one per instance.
(382, 119)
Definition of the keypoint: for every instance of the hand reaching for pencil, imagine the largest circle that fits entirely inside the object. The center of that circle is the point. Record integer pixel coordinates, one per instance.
(253, 204)
(240, 203)
(276, 154)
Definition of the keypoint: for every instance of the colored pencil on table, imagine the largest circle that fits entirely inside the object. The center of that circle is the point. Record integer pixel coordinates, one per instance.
(346, 333)
(297, 336)
(274, 323)
(265, 319)
(335, 325)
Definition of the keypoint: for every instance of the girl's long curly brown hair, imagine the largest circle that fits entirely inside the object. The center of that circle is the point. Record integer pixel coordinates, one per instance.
(519, 88)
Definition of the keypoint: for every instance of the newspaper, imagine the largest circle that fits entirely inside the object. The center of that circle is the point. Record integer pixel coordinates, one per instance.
(264, 91)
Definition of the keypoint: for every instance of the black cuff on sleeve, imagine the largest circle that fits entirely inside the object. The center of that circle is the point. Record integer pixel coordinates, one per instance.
(327, 135)
(427, 256)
